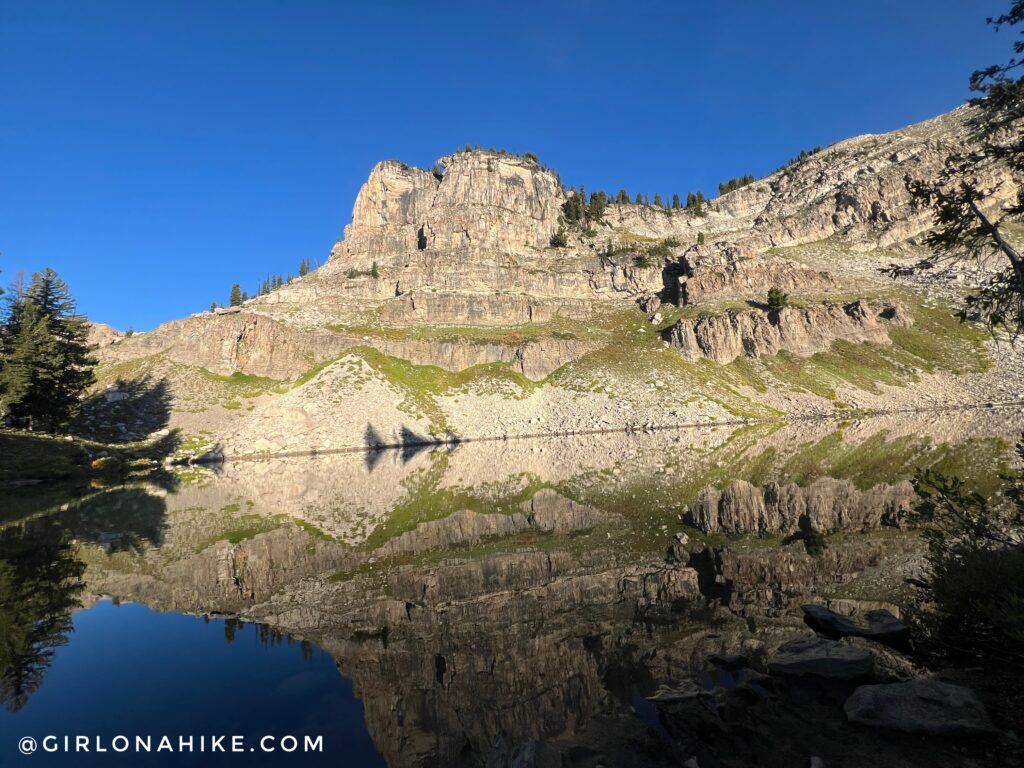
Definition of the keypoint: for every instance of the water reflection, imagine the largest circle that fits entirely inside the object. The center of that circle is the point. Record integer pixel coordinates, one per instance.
(40, 584)
(495, 600)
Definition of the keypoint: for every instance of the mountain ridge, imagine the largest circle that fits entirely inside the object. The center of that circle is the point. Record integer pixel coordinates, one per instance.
(476, 271)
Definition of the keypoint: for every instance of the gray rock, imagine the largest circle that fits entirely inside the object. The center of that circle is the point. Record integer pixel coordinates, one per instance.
(822, 657)
(882, 627)
(926, 707)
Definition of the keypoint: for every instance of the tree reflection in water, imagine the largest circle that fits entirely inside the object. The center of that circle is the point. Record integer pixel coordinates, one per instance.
(40, 581)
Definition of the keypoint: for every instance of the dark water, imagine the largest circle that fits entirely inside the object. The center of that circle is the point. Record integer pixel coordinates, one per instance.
(459, 607)
(128, 670)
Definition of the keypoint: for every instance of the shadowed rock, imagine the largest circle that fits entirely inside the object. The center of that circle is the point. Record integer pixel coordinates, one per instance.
(926, 707)
(882, 627)
(821, 657)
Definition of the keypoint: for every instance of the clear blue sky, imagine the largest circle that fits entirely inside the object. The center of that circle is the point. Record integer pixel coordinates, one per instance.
(153, 153)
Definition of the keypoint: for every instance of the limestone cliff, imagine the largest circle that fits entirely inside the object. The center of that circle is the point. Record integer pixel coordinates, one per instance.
(456, 268)
(723, 338)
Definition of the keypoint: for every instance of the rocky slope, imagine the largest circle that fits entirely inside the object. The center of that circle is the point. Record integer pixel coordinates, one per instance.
(446, 306)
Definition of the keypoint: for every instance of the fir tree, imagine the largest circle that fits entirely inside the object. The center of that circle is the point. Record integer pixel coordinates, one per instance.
(622, 198)
(676, 202)
(235, 297)
(49, 364)
(657, 201)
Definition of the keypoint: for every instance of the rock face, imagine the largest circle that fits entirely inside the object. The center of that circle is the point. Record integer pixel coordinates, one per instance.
(926, 707)
(826, 505)
(727, 272)
(103, 335)
(723, 338)
(455, 267)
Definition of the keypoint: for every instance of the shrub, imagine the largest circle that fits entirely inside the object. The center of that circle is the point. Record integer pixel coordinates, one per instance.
(974, 591)
(815, 544)
(642, 260)
(559, 239)
(777, 299)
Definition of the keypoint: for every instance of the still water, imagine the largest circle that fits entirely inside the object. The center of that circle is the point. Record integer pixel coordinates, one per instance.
(127, 670)
(489, 605)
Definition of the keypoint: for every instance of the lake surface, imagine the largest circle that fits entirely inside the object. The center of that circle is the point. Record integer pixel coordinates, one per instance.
(447, 607)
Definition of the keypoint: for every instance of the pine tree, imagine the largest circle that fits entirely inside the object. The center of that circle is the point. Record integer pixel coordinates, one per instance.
(622, 198)
(235, 297)
(303, 267)
(27, 348)
(639, 199)
(49, 365)
(213, 306)
(657, 200)
(676, 202)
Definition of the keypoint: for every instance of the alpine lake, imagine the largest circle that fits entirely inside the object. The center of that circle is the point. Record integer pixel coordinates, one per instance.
(608, 599)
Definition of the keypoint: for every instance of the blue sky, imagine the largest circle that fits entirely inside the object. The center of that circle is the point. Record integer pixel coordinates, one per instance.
(153, 153)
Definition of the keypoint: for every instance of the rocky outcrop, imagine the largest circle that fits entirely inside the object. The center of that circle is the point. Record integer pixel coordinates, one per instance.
(725, 337)
(821, 657)
(725, 272)
(824, 506)
(924, 707)
(479, 200)
(547, 511)
(262, 346)
(103, 335)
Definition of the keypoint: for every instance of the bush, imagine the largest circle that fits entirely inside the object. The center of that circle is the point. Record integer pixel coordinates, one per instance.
(559, 239)
(815, 544)
(974, 592)
(777, 299)
(642, 260)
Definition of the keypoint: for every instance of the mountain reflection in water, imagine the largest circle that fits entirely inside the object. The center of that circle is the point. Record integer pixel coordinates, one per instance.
(491, 604)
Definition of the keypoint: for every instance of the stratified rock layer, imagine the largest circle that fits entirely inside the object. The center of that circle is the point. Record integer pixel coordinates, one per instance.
(723, 338)
(824, 506)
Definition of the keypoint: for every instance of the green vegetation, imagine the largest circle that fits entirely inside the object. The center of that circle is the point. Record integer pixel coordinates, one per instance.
(804, 154)
(963, 230)
(777, 299)
(373, 271)
(972, 607)
(733, 184)
(46, 364)
(422, 384)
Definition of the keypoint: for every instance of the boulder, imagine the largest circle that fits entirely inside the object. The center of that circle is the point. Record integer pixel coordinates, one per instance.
(926, 707)
(882, 627)
(822, 657)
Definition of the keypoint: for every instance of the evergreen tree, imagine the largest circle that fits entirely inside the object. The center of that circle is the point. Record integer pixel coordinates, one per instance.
(622, 198)
(303, 267)
(675, 202)
(969, 222)
(213, 306)
(48, 366)
(235, 297)
(639, 199)
(657, 200)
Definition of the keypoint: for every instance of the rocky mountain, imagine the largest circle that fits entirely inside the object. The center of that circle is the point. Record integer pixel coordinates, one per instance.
(462, 301)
